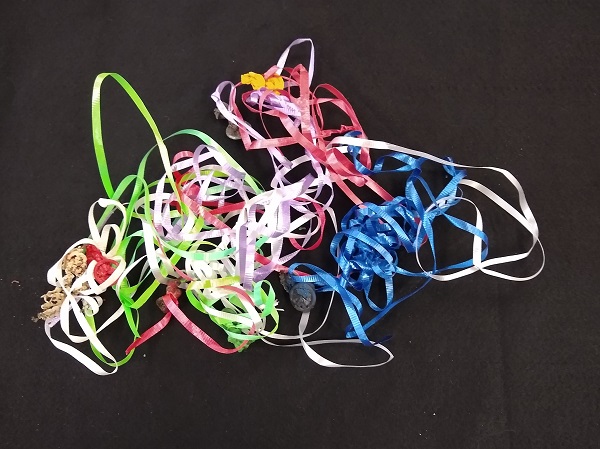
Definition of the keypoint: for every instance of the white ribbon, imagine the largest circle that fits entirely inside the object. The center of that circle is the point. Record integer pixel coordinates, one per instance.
(99, 238)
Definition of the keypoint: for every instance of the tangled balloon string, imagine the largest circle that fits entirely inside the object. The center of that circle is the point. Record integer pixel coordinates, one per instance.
(212, 235)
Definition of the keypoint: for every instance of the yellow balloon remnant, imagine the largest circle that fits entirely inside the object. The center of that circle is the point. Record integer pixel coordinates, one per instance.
(257, 81)
(275, 83)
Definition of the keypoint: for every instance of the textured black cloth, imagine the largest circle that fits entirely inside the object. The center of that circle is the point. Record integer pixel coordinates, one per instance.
(480, 362)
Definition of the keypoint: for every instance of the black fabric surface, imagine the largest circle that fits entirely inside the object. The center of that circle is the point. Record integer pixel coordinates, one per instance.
(480, 362)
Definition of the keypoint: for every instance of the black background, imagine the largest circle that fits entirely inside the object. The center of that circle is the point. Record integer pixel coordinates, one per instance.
(480, 362)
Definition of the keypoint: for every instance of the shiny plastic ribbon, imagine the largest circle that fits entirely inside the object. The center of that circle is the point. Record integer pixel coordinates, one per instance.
(210, 231)
(371, 236)
(87, 301)
(299, 109)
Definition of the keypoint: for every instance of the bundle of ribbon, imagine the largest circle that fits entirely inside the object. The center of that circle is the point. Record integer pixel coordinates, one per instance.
(207, 228)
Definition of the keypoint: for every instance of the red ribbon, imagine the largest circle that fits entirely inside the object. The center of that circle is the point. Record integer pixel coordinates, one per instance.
(171, 303)
(341, 168)
(104, 266)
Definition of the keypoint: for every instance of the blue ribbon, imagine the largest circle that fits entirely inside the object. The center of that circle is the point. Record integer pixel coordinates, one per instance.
(371, 236)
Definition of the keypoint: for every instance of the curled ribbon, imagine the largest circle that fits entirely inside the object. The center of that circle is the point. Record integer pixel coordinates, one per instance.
(83, 296)
(212, 235)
